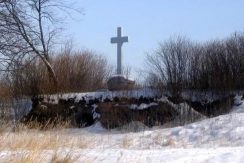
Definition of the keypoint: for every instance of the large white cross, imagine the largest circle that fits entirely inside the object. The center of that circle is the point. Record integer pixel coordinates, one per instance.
(119, 40)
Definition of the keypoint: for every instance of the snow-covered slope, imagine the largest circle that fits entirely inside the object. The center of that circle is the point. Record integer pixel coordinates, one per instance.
(219, 139)
(192, 155)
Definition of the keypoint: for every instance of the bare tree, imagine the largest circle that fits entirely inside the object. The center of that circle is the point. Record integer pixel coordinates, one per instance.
(81, 71)
(170, 62)
(27, 31)
(216, 66)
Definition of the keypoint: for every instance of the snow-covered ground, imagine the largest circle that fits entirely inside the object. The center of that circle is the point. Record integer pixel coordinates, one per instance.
(219, 139)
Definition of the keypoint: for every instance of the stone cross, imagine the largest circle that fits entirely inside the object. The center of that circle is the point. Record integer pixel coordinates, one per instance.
(119, 40)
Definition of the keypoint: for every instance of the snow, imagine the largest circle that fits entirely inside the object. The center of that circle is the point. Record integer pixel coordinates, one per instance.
(210, 155)
(219, 139)
(103, 94)
(94, 113)
(205, 97)
(239, 105)
(198, 142)
(142, 106)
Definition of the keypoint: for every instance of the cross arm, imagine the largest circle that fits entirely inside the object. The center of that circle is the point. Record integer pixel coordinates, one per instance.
(119, 40)
(114, 40)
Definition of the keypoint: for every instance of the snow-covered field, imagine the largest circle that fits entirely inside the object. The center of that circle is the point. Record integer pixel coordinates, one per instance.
(219, 139)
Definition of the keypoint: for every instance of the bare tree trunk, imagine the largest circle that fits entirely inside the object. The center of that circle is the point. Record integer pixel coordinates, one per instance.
(52, 74)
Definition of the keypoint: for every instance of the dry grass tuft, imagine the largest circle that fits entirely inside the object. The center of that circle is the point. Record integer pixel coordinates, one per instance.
(33, 145)
(67, 158)
(36, 140)
(33, 156)
(126, 142)
(20, 137)
(40, 157)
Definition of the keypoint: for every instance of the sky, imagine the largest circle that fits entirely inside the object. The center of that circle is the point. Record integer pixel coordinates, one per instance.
(149, 22)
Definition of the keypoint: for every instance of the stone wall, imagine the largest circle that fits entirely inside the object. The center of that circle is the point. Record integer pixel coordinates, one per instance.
(121, 111)
(118, 114)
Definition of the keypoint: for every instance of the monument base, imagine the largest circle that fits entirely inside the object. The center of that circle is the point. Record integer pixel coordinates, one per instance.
(119, 82)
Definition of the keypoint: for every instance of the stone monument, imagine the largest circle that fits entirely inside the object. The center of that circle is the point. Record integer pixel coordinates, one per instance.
(118, 81)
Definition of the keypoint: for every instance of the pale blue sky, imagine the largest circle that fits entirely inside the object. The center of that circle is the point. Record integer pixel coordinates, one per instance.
(148, 22)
